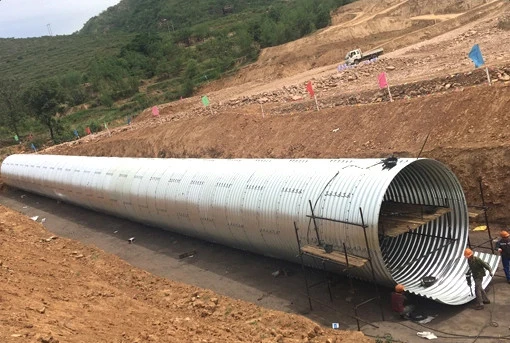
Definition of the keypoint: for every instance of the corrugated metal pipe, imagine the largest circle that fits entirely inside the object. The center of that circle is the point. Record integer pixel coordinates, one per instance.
(413, 211)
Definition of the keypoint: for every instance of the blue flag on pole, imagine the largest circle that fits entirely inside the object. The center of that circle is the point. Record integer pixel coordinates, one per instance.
(476, 55)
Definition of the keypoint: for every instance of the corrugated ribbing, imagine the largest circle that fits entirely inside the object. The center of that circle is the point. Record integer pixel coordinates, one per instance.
(253, 205)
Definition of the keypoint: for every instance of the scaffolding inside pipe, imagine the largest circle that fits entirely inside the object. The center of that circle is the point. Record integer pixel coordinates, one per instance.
(416, 217)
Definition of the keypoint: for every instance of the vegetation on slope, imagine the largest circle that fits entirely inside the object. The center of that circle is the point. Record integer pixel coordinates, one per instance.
(139, 53)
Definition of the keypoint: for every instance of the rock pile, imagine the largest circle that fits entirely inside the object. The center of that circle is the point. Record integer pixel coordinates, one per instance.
(296, 98)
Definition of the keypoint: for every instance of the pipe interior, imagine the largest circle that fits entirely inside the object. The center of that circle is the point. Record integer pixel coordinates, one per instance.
(433, 247)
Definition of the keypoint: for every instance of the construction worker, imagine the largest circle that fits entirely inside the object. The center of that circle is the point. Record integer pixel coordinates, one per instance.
(477, 268)
(400, 302)
(503, 246)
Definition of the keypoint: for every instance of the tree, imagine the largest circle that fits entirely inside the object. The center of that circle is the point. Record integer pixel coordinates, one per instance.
(191, 69)
(46, 99)
(268, 33)
(71, 82)
(187, 88)
(11, 105)
(323, 18)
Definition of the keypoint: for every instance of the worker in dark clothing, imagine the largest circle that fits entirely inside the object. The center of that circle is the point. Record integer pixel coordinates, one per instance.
(400, 302)
(477, 267)
(503, 246)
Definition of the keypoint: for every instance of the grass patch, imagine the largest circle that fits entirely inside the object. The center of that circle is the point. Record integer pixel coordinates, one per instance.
(94, 119)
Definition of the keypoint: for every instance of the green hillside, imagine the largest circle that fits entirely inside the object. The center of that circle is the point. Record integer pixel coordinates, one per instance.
(170, 46)
(32, 59)
(171, 15)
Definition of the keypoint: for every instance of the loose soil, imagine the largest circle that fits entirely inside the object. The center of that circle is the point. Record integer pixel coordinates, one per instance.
(62, 290)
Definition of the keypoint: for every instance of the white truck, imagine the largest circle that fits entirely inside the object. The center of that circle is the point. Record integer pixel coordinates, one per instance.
(356, 56)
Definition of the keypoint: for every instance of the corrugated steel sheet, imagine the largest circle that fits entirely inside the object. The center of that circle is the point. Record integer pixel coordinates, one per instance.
(253, 205)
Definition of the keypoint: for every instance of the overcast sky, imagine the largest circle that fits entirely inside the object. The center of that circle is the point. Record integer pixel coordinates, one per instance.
(30, 18)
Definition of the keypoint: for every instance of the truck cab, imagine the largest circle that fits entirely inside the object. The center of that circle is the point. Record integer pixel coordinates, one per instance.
(353, 57)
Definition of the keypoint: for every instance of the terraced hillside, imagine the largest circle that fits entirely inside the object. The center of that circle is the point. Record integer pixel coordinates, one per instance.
(32, 59)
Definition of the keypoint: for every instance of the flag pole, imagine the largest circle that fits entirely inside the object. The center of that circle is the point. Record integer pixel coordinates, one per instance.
(389, 92)
(309, 88)
(488, 75)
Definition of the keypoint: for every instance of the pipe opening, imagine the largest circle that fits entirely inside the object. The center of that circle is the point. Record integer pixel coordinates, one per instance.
(423, 223)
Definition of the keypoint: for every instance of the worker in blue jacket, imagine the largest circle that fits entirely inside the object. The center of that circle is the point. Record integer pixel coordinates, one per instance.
(503, 246)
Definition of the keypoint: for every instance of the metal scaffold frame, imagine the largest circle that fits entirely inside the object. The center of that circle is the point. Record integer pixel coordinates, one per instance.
(484, 208)
(324, 253)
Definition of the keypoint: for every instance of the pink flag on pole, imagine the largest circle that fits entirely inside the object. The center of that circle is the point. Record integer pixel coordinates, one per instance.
(383, 83)
(309, 88)
(87, 130)
(155, 111)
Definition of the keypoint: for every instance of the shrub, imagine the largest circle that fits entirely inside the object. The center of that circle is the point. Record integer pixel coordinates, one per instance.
(62, 132)
(187, 88)
(95, 126)
(142, 100)
(172, 95)
(106, 100)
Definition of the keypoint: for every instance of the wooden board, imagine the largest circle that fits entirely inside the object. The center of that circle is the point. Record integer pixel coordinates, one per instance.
(398, 218)
(335, 256)
(475, 212)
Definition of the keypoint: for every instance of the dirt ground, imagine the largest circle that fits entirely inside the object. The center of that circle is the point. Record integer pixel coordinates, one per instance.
(95, 287)
(56, 289)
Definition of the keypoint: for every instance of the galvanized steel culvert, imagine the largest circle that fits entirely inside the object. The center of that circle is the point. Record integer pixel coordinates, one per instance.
(414, 210)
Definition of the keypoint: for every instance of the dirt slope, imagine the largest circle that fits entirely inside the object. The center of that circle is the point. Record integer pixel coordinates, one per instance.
(58, 290)
(61, 290)
(365, 24)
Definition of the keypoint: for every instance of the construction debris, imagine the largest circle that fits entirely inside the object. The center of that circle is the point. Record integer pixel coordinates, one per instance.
(187, 254)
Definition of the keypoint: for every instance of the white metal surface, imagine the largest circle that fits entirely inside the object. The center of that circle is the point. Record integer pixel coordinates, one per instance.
(253, 205)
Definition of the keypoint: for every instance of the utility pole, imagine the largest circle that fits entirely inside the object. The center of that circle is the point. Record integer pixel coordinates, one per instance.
(48, 26)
